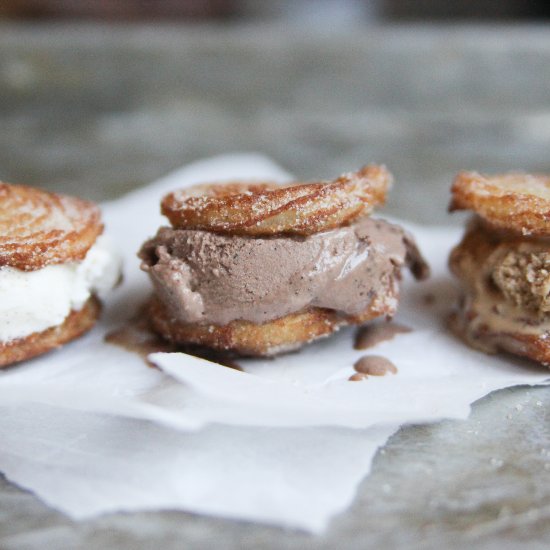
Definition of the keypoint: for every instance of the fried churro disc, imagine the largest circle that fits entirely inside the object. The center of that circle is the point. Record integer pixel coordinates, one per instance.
(38, 228)
(263, 209)
(250, 339)
(484, 338)
(515, 201)
(76, 324)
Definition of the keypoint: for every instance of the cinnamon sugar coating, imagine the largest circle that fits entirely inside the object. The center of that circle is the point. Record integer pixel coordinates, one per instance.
(515, 201)
(39, 228)
(262, 209)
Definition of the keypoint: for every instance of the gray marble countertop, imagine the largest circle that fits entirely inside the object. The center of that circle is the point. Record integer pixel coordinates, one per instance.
(97, 111)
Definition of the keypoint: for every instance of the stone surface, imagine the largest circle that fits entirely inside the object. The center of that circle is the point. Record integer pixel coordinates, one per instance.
(481, 483)
(97, 111)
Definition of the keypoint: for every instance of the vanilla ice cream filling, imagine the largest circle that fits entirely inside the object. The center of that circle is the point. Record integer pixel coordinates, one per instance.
(33, 301)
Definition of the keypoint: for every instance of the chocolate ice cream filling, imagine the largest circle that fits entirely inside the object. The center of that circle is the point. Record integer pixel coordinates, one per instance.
(211, 278)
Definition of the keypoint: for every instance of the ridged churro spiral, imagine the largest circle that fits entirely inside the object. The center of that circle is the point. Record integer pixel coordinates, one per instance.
(38, 228)
(515, 201)
(263, 209)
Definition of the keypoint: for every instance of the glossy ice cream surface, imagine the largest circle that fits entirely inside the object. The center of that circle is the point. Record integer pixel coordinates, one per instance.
(206, 277)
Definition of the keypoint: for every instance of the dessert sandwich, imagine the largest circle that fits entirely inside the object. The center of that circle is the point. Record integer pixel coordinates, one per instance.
(259, 269)
(54, 267)
(503, 264)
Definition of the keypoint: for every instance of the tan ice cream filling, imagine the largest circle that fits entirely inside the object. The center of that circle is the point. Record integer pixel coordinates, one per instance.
(507, 285)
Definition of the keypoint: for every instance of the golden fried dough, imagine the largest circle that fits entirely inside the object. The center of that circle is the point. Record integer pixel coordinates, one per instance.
(76, 324)
(485, 339)
(250, 339)
(38, 228)
(514, 201)
(263, 209)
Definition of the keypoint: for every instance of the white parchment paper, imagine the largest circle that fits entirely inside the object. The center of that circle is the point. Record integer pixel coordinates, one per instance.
(91, 429)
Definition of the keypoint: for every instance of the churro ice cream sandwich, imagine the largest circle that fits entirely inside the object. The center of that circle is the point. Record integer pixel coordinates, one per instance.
(503, 264)
(258, 269)
(54, 266)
